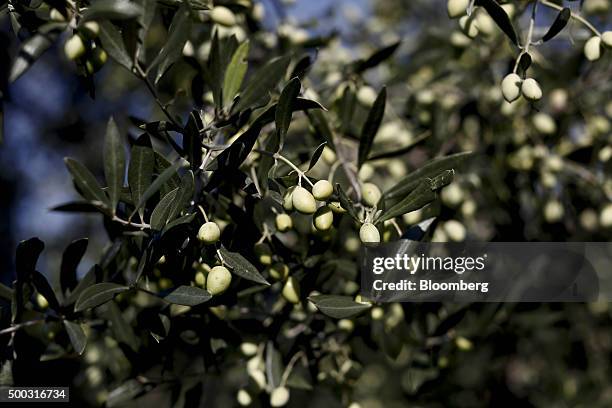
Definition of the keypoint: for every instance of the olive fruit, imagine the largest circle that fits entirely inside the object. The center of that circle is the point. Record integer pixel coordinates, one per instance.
(468, 25)
(209, 233)
(41, 301)
(200, 279)
(248, 349)
(531, 89)
(97, 60)
(553, 211)
(592, 48)
(279, 271)
(283, 222)
(511, 87)
(218, 280)
(56, 15)
(223, 15)
(291, 290)
(606, 38)
(544, 123)
(456, 8)
(368, 233)
(322, 190)
(303, 201)
(90, 30)
(323, 218)
(328, 155)
(288, 199)
(371, 194)
(264, 253)
(605, 216)
(243, 397)
(279, 397)
(74, 47)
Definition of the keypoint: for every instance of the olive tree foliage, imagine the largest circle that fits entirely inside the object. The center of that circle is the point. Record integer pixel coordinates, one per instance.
(236, 214)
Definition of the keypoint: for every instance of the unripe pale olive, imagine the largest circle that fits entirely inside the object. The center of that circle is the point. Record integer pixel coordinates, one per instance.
(328, 155)
(291, 290)
(371, 194)
(74, 47)
(484, 22)
(592, 48)
(377, 313)
(605, 217)
(200, 279)
(218, 280)
(544, 123)
(283, 222)
(463, 343)
(279, 271)
(323, 218)
(368, 233)
(511, 87)
(468, 25)
(288, 199)
(248, 349)
(531, 89)
(42, 301)
(209, 233)
(90, 30)
(322, 190)
(223, 15)
(303, 201)
(606, 38)
(553, 211)
(55, 15)
(264, 253)
(454, 230)
(97, 60)
(243, 397)
(366, 95)
(457, 8)
(336, 207)
(279, 397)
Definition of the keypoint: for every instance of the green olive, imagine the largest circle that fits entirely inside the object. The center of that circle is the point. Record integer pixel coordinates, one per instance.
(283, 222)
(303, 201)
(288, 199)
(90, 30)
(279, 397)
(291, 290)
(606, 38)
(323, 218)
(209, 233)
(322, 190)
(264, 253)
(457, 8)
(74, 47)
(371, 194)
(223, 16)
(200, 279)
(368, 233)
(531, 89)
(511, 87)
(218, 280)
(592, 48)
(279, 271)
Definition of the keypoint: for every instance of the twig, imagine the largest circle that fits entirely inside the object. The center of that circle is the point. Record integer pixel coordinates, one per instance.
(142, 75)
(131, 224)
(18, 326)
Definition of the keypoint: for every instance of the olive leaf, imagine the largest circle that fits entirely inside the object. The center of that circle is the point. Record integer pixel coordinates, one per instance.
(242, 267)
(26, 257)
(140, 172)
(6, 292)
(284, 109)
(70, 260)
(422, 195)
(559, 24)
(178, 34)
(338, 307)
(114, 162)
(86, 182)
(77, 336)
(234, 74)
(112, 42)
(316, 155)
(44, 288)
(188, 296)
(162, 210)
(97, 295)
(370, 127)
(377, 57)
(260, 85)
(498, 14)
(111, 10)
(89, 279)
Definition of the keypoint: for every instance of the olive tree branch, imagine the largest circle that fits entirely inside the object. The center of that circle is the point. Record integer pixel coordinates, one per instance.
(143, 76)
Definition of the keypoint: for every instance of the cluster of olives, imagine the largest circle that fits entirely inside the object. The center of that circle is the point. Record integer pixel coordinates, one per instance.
(303, 201)
(216, 280)
(513, 86)
(82, 47)
(595, 45)
(278, 271)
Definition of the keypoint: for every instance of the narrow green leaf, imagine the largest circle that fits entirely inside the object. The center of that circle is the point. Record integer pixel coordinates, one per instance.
(559, 24)
(159, 216)
(422, 195)
(77, 336)
(158, 182)
(377, 57)
(346, 202)
(371, 125)
(188, 296)
(178, 34)
(111, 10)
(284, 109)
(316, 155)
(26, 257)
(114, 162)
(140, 172)
(260, 85)
(234, 75)
(241, 267)
(185, 219)
(44, 288)
(183, 197)
(274, 366)
(86, 182)
(97, 295)
(338, 307)
(89, 279)
(498, 14)
(112, 42)
(122, 331)
(429, 169)
(70, 261)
